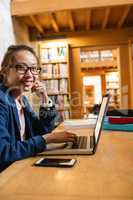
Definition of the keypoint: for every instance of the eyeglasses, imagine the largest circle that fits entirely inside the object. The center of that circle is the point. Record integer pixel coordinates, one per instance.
(23, 68)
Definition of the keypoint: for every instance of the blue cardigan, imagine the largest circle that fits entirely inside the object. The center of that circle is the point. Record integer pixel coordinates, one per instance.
(11, 147)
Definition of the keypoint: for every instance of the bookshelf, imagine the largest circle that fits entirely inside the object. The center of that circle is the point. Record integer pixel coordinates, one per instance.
(112, 87)
(55, 75)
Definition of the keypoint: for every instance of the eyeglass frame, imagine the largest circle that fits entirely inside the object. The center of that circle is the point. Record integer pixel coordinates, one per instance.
(27, 68)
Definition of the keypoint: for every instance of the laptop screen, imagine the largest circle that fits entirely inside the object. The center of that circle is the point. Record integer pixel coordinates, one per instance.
(100, 118)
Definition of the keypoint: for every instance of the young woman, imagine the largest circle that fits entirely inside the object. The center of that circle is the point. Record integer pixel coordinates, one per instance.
(22, 133)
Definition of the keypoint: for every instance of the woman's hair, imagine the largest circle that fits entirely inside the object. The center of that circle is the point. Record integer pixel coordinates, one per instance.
(9, 56)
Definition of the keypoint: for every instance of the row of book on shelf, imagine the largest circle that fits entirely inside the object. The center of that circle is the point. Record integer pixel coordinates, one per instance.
(53, 54)
(56, 86)
(89, 56)
(112, 85)
(54, 71)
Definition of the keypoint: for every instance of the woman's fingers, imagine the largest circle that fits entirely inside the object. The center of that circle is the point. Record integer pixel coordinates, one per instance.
(71, 137)
(40, 91)
(61, 137)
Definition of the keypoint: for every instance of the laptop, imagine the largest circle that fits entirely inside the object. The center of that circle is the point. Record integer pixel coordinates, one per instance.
(85, 144)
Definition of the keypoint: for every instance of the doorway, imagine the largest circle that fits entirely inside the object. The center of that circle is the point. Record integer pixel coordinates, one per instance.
(100, 75)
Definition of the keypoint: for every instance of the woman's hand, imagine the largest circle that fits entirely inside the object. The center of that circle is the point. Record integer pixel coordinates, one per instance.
(40, 90)
(58, 137)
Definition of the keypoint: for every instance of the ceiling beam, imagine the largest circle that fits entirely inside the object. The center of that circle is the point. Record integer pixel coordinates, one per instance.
(106, 17)
(124, 16)
(28, 7)
(88, 20)
(54, 22)
(71, 21)
(36, 23)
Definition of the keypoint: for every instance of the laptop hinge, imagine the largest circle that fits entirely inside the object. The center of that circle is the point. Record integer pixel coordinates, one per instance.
(92, 141)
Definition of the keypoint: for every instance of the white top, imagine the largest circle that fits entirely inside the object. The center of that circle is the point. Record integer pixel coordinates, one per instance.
(21, 120)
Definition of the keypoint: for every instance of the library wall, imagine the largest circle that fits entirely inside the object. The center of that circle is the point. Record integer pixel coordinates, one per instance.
(6, 29)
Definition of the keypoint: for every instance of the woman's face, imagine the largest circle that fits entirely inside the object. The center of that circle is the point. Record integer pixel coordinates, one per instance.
(22, 73)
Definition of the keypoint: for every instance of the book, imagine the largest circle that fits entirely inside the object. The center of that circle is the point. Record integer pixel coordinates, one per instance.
(44, 55)
(63, 86)
(49, 71)
(117, 127)
(120, 120)
(53, 54)
(56, 71)
(62, 53)
(63, 70)
(44, 72)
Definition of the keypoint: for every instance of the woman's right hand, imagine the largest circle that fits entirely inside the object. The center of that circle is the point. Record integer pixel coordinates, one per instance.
(40, 90)
(62, 136)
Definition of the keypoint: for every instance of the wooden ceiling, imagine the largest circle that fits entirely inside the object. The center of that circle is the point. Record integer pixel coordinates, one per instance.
(63, 22)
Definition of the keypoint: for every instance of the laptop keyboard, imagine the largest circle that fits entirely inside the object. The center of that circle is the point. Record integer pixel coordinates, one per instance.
(81, 143)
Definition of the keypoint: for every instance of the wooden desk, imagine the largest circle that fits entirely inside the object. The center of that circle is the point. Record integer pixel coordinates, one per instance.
(107, 175)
